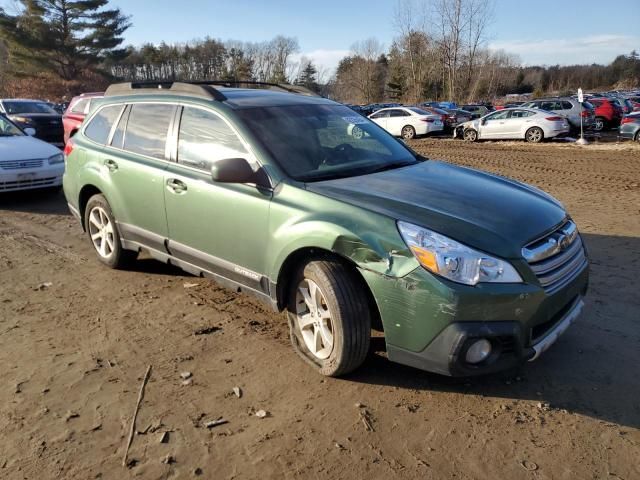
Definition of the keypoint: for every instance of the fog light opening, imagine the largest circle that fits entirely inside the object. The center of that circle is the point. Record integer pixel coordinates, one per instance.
(478, 351)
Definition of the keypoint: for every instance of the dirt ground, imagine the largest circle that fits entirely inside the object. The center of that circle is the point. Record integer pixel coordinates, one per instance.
(76, 339)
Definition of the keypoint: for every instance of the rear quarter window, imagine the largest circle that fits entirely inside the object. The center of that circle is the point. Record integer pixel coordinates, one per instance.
(100, 125)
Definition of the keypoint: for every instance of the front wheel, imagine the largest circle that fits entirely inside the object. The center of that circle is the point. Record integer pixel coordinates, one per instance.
(408, 132)
(103, 233)
(470, 135)
(534, 135)
(329, 317)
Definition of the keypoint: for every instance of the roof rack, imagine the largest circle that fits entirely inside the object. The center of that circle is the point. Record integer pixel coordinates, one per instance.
(201, 88)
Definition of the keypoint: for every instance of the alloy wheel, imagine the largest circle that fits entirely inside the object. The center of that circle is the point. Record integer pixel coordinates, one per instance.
(534, 135)
(314, 319)
(101, 232)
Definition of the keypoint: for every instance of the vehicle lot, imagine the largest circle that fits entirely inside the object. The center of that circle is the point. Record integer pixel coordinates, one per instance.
(73, 354)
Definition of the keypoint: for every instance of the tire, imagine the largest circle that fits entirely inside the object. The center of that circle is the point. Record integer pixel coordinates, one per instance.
(103, 234)
(599, 123)
(637, 136)
(334, 336)
(470, 135)
(534, 135)
(408, 132)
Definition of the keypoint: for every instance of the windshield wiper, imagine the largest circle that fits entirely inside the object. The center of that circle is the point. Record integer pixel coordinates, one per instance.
(391, 166)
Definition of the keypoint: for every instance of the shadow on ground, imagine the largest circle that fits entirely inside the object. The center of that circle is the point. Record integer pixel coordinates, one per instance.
(46, 201)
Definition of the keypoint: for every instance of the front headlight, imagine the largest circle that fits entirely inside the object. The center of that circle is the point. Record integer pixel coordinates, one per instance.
(24, 120)
(455, 261)
(57, 158)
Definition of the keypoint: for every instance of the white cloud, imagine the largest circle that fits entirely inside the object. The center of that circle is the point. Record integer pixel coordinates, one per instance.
(564, 51)
(326, 60)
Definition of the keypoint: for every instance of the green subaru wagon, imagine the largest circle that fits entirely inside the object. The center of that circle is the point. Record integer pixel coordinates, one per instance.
(271, 192)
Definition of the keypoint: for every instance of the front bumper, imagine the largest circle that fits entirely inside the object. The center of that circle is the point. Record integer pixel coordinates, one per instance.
(45, 177)
(429, 323)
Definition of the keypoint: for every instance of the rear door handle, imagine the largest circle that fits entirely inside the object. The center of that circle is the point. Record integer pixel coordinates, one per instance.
(176, 186)
(111, 165)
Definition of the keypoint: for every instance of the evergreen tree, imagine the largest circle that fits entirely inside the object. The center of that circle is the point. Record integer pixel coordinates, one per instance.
(62, 36)
(308, 77)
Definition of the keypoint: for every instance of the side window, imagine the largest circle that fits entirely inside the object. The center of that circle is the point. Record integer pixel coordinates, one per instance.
(100, 125)
(80, 106)
(550, 106)
(383, 114)
(499, 115)
(398, 113)
(521, 114)
(205, 138)
(147, 129)
(567, 106)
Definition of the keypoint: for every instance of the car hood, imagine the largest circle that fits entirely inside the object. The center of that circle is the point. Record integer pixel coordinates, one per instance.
(25, 148)
(485, 211)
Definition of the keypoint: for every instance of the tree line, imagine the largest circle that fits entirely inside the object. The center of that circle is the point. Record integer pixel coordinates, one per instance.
(55, 48)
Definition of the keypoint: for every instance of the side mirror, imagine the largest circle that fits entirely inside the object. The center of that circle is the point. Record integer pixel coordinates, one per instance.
(30, 131)
(237, 170)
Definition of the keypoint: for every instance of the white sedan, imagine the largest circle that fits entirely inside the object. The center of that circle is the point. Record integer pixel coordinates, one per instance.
(26, 162)
(514, 123)
(407, 122)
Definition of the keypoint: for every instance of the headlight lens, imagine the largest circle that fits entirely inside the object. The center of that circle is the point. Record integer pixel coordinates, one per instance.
(57, 158)
(22, 120)
(455, 261)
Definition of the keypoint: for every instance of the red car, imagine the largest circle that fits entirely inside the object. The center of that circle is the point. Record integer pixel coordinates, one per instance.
(76, 111)
(608, 113)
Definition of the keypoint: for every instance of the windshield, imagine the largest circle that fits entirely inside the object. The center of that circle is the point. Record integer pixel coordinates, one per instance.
(8, 129)
(321, 142)
(13, 108)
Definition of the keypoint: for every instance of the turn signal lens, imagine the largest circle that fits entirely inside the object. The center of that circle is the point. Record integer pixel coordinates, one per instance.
(68, 148)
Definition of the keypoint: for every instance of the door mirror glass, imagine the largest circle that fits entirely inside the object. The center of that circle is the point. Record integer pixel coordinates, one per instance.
(237, 170)
(30, 131)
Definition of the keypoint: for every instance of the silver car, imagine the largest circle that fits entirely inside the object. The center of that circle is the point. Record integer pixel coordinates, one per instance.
(567, 107)
(514, 123)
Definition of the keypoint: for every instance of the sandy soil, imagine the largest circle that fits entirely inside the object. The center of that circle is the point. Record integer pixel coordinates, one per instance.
(76, 339)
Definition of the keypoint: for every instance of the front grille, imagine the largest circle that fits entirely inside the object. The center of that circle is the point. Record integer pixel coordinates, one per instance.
(557, 258)
(18, 164)
(35, 183)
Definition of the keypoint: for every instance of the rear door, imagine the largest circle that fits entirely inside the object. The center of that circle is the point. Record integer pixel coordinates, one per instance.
(397, 119)
(381, 118)
(133, 164)
(220, 227)
(518, 123)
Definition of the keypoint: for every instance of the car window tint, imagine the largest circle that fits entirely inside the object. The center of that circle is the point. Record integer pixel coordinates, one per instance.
(567, 105)
(100, 125)
(80, 106)
(205, 138)
(499, 115)
(118, 135)
(380, 114)
(398, 113)
(521, 114)
(147, 129)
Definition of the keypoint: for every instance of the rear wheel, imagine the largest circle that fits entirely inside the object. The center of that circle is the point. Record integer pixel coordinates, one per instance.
(637, 137)
(470, 135)
(103, 233)
(598, 125)
(329, 317)
(534, 135)
(408, 132)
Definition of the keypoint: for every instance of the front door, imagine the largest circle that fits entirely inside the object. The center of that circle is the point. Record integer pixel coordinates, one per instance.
(220, 227)
(494, 125)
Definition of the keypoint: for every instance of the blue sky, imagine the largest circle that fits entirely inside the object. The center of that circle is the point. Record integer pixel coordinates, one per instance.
(541, 32)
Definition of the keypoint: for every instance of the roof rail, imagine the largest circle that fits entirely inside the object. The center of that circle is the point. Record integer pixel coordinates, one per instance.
(201, 88)
(169, 88)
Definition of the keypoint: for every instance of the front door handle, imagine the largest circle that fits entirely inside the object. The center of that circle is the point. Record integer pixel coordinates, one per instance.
(176, 186)
(111, 165)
